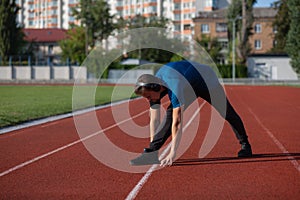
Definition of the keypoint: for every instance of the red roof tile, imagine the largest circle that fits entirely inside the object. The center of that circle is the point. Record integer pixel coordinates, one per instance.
(45, 35)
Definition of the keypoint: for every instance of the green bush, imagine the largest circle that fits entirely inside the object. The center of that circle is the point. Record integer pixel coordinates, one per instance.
(226, 71)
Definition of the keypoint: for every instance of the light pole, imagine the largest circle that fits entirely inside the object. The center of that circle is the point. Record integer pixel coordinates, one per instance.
(233, 45)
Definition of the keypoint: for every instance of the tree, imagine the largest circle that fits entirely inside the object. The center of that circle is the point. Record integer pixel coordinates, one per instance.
(243, 9)
(96, 17)
(73, 47)
(293, 41)
(212, 46)
(140, 21)
(282, 25)
(150, 54)
(11, 35)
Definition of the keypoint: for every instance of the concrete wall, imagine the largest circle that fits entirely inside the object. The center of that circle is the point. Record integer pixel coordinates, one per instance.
(79, 73)
(127, 76)
(42, 73)
(5, 73)
(271, 67)
(61, 73)
(22, 73)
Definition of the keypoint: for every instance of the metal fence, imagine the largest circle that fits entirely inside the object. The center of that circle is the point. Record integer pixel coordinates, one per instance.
(27, 60)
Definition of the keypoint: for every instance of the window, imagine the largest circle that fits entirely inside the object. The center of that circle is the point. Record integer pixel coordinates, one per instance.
(31, 15)
(153, 9)
(54, 12)
(31, 22)
(177, 27)
(187, 16)
(71, 19)
(54, 20)
(53, 3)
(187, 27)
(119, 3)
(257, 44)
(257, 28)
(221, 27)
(210, 3)
(224, 44)
(204, 28)
(177, 17)
(177, 6)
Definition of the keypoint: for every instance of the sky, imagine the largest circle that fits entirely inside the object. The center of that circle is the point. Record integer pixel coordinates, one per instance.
(263, 3)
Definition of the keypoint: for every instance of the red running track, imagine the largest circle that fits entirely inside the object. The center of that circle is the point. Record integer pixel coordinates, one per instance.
(48, 161)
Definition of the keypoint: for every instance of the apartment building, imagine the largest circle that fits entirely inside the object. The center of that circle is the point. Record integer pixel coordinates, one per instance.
(180, 12)
(214, 25)
(58, 13)
(263, 39)
(46, 13)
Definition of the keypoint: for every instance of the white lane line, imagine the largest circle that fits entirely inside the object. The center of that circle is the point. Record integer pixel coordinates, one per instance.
(67, 145)
(276, 141)
(49, 124)
(147, 175)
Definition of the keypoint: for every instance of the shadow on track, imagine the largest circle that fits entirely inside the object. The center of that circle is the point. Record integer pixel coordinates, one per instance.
(271, 157)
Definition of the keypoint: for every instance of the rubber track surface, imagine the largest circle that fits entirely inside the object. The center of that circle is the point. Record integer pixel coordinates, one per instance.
(271, 116)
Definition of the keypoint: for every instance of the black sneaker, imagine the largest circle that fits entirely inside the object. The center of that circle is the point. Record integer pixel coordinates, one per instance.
(246, 151)
(146, 158)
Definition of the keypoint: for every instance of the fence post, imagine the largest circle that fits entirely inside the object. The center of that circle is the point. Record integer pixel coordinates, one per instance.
(70, 68)
(29, 60)
(32, 70)
(10, 61)
(51, 69)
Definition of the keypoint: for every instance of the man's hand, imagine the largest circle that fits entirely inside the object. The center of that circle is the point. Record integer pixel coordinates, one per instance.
(168, 160)
(176, 136)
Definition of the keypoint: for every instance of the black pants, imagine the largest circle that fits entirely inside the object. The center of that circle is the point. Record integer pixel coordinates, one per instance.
(219, 101)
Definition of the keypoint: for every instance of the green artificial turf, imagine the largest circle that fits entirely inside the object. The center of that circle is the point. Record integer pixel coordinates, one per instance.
(24, 103)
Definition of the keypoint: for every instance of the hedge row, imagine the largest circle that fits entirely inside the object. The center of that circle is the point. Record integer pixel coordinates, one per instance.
(226, 71)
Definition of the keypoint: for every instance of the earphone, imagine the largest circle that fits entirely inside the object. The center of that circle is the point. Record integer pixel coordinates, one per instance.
(151, 86)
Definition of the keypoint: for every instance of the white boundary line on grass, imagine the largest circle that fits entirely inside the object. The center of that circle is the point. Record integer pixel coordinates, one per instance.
(147, 175)
(276, 141)
(58, 117)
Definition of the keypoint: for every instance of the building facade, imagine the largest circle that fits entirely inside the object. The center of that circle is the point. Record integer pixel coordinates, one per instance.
(214, 24)
(58, 13)
(47, 13)
(180, 12)
(45, 44)
(263, 38)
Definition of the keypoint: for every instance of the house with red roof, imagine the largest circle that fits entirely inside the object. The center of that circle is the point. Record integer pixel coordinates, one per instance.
(45, 43)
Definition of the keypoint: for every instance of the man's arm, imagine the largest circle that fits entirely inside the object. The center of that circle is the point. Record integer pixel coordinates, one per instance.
(176, 136)
(154, 121)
